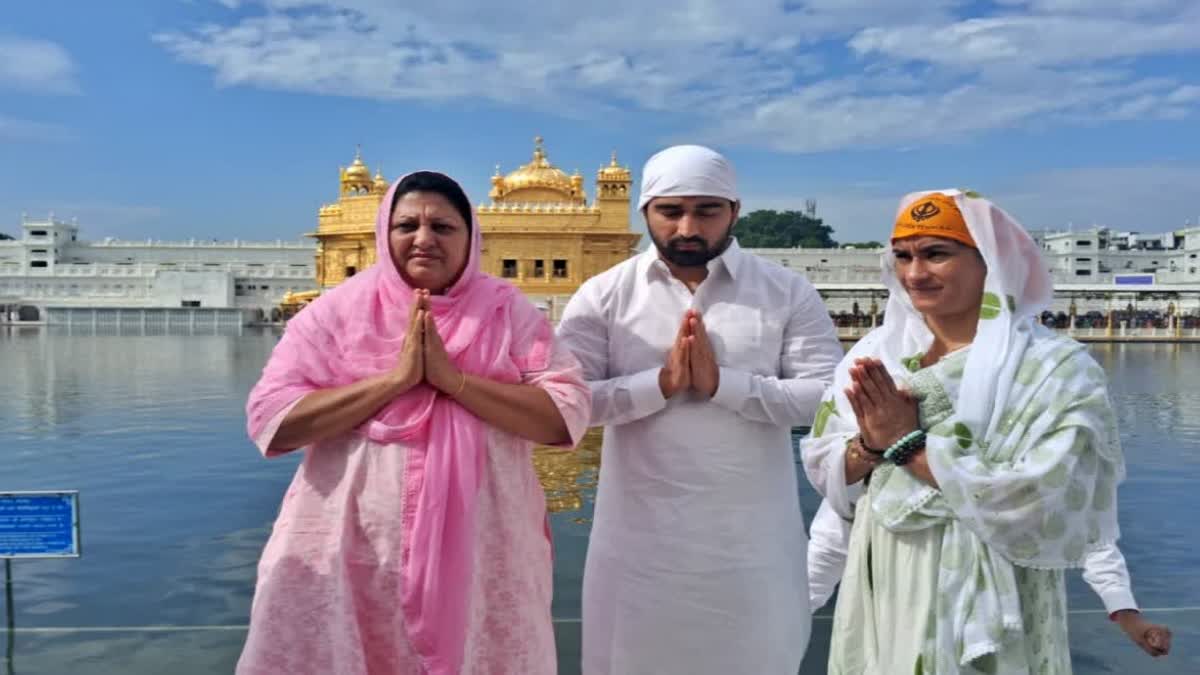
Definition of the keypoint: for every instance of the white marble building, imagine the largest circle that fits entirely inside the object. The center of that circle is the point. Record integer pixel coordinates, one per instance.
(49, 266)
(49, 269)
(1098, 269)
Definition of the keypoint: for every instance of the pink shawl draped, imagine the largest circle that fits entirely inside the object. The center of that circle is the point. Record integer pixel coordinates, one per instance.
(356, 331)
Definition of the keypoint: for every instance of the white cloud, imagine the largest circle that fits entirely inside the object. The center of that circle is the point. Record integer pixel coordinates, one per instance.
(1103, 7)
(762, 74)
(854, 113)
(1185, 94)
(14, 130)
(599, 53)
(1031, 41)
(37, 66)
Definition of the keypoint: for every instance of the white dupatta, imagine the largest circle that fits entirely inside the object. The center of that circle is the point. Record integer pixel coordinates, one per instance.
(1029, 461)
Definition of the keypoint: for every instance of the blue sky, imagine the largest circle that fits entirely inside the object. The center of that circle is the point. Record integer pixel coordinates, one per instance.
(229, 118)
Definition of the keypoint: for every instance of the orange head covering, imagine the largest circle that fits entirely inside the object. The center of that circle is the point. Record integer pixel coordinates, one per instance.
(933, 215)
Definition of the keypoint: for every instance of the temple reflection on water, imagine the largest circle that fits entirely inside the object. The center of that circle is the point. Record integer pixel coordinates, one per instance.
(567, 475)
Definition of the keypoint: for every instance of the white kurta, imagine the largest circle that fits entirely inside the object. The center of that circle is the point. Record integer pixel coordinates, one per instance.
(696, 562)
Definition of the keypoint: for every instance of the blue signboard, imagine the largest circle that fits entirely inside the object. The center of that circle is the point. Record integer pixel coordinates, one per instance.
(39, 524)
(1133, 279)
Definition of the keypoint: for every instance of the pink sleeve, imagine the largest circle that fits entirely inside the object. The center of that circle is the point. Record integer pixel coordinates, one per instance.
(532, 337)
(294, 370)
(563, 380)
(267, 433)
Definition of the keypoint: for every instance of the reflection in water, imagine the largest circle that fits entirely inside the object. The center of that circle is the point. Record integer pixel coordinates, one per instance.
(178, 503)
(567, 475)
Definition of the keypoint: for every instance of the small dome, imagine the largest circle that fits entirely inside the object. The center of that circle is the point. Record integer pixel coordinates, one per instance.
(380, 183)
(614, 171)
(539, 173)
(357, 172)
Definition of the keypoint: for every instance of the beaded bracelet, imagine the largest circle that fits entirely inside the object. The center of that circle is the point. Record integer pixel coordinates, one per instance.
(902, 450)
(858, 438)
(860, 451)
(906, 452)
(905, 456)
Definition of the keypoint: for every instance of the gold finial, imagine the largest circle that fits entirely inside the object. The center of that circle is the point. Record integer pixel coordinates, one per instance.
(614, 158)
(539, 152)
(357, 172)
(497, 170)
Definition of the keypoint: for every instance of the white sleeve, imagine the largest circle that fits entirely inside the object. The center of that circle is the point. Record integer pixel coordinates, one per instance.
(583, 329)
(809, 353)
(1105, 571)
(828, 548)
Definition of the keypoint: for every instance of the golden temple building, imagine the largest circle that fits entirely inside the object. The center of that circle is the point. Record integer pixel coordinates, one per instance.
(541, 233)
(539, 230)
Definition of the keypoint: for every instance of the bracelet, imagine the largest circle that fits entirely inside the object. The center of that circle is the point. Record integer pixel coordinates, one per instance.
(869, 457)
(903, 450)
(863, 444)
(905, 456)
(900, 444)
(461, 385)
(904, 453)
(856, 449)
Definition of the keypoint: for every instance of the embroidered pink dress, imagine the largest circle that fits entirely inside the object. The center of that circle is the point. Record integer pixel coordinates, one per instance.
(327, 599)
(417, 542)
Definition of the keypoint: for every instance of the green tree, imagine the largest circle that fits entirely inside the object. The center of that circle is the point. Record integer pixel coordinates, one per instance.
(783, 229)
(4, 236)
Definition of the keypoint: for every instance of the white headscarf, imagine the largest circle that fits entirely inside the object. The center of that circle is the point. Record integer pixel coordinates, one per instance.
(687, 171)
(981, 460)
(1016, 277)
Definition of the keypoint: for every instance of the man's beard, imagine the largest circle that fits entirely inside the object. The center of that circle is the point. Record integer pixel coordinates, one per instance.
(694, 257)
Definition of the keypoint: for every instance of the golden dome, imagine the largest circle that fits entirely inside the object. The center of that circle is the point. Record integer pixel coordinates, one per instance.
(539, 173)
(357, 172)
(380, 183)
(614, 171)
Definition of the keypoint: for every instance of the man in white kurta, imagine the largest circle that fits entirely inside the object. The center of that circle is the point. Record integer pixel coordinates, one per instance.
(696, 562)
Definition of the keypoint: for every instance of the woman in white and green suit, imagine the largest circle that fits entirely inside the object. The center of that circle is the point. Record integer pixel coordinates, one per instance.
(979, 451)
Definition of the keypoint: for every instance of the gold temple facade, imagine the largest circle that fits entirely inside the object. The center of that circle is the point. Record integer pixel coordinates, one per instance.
(346, 230)
(540, 231)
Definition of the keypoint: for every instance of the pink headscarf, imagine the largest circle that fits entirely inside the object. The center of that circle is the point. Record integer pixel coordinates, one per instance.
(356, 331)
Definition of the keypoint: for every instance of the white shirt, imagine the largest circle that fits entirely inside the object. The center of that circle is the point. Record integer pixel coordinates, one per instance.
(829, 543)
(748, 303)
(695, 558)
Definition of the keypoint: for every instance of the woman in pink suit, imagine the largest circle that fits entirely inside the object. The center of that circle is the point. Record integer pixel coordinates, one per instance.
(413, 538)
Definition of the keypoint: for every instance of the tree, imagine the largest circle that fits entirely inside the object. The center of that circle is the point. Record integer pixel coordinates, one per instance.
(783, 229)
(4, 236)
